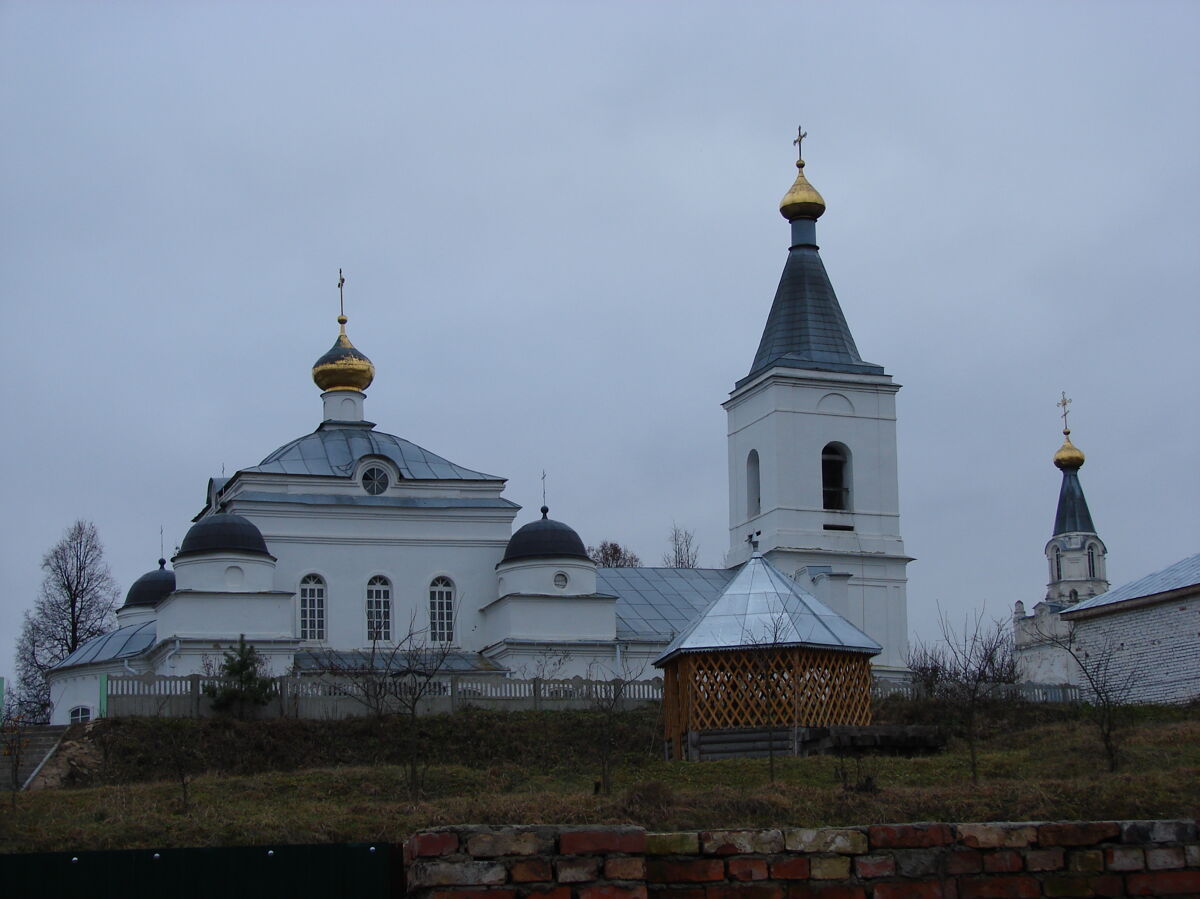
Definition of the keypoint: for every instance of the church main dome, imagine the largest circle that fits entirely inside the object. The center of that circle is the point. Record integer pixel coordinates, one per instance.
(1068, 455)
(223, 532)
(543, 539)
(343, 367)
(802, 199)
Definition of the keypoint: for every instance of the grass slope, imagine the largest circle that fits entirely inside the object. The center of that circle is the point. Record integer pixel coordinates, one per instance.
(540, 768)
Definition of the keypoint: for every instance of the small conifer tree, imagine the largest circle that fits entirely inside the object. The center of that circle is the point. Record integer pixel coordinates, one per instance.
(244, 683)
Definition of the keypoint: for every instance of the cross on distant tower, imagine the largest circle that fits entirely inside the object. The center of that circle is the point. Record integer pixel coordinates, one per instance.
(799, 141)
(543, 486)
(341, 293)
(1063, 404)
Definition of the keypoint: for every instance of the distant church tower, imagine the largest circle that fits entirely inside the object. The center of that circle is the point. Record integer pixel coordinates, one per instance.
(812, 449)
(1075, 553)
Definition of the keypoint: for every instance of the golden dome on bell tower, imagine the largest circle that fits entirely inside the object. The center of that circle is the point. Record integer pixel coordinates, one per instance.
(1068, 455)
(343, 367)
(802, 200)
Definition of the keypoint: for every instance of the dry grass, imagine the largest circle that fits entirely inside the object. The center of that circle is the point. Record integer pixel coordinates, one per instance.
(1054, 770)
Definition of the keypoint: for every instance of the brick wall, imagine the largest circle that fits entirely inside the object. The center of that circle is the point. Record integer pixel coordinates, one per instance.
(915, 861)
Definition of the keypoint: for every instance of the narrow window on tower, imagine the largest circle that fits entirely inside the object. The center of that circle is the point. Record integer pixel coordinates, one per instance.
(312, 607)
(379, 609)
(441, 610)
(1057, 564)
(835, 477)
(1091, 560)
(753, 486)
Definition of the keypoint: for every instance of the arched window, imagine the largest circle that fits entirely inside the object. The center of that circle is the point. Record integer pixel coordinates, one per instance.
(835, 477)
(1074, 595)
(1057, 564)
(80, 714)
(753, 486)
(312, 607)
(441, 610)
(379, 609)
(1091, 560)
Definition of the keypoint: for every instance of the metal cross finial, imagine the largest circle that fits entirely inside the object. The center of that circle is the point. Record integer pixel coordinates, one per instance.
(341, 293)
(543, 486)
(799, 141)
(1063, 404)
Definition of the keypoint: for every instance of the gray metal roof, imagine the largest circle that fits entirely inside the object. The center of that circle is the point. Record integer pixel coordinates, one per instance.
(763, 606)
(1072, 515)
(456, 662)
(1184, 573)
(658, 603)
(123, 643)
(806, 328)
(334, 450)
(408, 502)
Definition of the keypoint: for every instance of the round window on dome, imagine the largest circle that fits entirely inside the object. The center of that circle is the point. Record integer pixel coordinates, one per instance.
(561, 580)
(375, 480)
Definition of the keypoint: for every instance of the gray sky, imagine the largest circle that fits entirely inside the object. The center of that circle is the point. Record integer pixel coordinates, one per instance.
(560, 231)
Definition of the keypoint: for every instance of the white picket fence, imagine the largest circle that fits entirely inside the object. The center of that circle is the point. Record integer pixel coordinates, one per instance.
(881, 689)
(325, 696)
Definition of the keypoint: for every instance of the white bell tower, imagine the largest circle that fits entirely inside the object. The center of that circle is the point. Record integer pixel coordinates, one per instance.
(812, 450)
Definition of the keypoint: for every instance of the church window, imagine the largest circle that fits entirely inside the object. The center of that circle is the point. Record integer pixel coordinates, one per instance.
(375, 480)
(312, 607)
(80, 714)
(1092, 560)
(1057, 564)
(835, 477)
(1074, 595)
(561, 580)
(753, 486)
(379, 609)
(441, 610)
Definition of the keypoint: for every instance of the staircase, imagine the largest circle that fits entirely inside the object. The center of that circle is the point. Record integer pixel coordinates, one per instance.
(37, 743)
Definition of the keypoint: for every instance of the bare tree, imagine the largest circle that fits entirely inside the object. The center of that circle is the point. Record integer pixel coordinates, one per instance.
(970, 667)
(608, 698)
(74, 604)
(14, 738)
(684, 551)
(547, 664)
(610, 554)
(767, 643)
(394, 677)
(1108, 687)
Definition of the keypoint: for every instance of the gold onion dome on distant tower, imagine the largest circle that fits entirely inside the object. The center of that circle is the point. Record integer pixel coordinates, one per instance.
(1068, 455)
(802, 201)
(343, 367)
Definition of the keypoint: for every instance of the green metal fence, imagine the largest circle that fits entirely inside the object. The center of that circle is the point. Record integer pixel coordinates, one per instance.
(361, 870)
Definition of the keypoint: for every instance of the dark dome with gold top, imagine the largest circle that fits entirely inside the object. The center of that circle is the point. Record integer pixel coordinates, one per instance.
(343, 367)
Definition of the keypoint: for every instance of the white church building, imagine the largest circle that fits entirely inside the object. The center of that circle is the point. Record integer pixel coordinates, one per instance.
(349, 537)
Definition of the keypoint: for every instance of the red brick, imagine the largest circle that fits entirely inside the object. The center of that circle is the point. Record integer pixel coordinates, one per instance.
(996, 836)
(867, 866)
(529, 870)
(1075, 885)
(747, 869)
(693, 871)
(1086, 861)
(676, 892)
(549, 893)
(423, 845)
(625, 868)
(1044, 859)
(964, 861)
(790, 869)
(825, 891)
(909, 836)
(1164, 883)
(1000, 888)
(930, 889)
(609, 891)
(474, 894)
(1006, 862)
(744, 891)
(1078, 834)
(591, 842)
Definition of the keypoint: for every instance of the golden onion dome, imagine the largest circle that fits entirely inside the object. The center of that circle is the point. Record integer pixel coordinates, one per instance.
(343, 367)
(1068, 455)
(802, 201)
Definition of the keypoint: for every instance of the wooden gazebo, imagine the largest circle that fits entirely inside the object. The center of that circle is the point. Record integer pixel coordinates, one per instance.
(765, 654)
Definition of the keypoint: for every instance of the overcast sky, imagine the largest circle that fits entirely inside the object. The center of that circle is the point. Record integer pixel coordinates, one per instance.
(560, 232)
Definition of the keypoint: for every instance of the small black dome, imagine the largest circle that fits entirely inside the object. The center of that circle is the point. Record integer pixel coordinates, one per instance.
(152, 587)
(542, 539)
(223, 532)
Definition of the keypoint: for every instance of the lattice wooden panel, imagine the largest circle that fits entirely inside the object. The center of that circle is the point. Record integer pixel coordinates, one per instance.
(766, 686)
